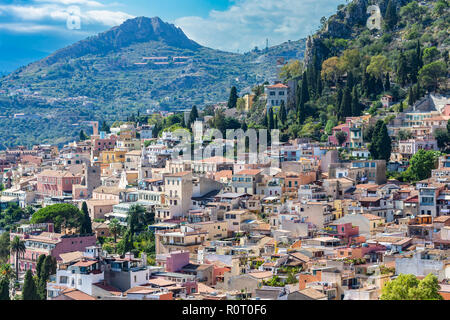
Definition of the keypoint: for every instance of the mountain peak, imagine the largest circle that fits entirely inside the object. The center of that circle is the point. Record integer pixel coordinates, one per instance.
(136, 30)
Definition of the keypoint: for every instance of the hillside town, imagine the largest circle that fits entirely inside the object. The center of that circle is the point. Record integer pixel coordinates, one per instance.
(122, 218)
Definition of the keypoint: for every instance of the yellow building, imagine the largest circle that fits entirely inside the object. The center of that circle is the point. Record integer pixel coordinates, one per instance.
(112, 156)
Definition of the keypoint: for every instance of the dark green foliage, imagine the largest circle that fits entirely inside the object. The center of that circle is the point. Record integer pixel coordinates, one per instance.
(4, 246)
(86, 224)
(104, 127)
(270, 119)
(356, 105)
(232, 100)
(4, 289)
(346, 104)
(390, 16)
(341, 136)
(83, 136)
(29, 287)
(282, 114)
(63, 215)
(193, 115)
(381, 144)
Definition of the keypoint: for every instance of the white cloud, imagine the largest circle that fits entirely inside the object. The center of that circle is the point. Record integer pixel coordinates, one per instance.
(45, 13)
(248, 23)
(105, 17)
(87, 3)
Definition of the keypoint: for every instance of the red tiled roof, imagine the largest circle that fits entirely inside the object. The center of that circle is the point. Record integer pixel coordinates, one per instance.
(278, 86)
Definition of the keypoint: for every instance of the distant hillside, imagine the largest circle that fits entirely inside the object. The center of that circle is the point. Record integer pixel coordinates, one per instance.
(142, 64)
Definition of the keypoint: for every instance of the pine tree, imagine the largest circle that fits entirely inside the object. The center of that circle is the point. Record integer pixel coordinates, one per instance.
(390, 16)
(86, 225)
(356, 106)
(232, 101)
(29, 291)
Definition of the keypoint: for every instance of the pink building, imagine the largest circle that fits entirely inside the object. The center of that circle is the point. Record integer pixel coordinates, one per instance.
(345, 127)
(174, 261)
(104, 144)
(56, 182)
(40, 239)
(344, 231)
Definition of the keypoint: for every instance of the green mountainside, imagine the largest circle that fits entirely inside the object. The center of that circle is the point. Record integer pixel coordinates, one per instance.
(105, 78)
(348, 67)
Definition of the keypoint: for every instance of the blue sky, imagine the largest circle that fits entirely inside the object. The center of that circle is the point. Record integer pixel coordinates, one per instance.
(32, 29)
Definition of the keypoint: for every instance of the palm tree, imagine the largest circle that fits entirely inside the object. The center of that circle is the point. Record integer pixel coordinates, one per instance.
(17, 247)
(114, 228)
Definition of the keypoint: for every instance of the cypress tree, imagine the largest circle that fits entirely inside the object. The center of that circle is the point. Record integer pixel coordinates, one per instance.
(373, 148)
(283, 113)
(384, 144)
(275, 122)
(410, 96)
(244, 126)
(305, 92)
(29, 291)
(270, 119)
(339, 102)
(419, 55)
(346, 106)
(193, 116)
(86, 225)
(387, 82)
(232, 101)
(356, 107)
(390, 16)
(265, 123)
(402, 69)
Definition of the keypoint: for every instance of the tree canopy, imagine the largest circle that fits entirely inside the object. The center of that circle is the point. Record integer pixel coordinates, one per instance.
(62, 215)
(408, 287)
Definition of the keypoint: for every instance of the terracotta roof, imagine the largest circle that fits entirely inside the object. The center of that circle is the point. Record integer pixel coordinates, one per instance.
(441, 219)
(56, 173)
(74, 294)
(250, 172)
(160, 282)
(85, 263)
(223, 174)
(278, 86)
(371, 216)
(179, 174)
(261, 274)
